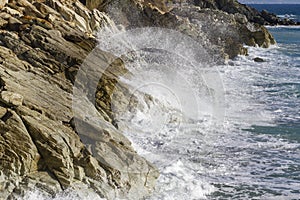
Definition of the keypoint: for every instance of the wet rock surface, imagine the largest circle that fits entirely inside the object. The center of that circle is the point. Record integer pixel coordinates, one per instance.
(220, 32)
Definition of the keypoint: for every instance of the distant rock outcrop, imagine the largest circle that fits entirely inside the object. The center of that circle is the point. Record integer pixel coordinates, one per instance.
(253, 15)
(219, 32)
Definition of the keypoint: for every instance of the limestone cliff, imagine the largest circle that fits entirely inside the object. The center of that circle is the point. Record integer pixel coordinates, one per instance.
(42, 45)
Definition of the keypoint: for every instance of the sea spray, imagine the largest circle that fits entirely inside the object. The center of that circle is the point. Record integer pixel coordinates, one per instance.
(200, 158)
(186, 101)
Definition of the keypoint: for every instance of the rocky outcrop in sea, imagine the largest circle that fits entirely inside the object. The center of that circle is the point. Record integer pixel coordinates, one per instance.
(43, 44)
(231, 6)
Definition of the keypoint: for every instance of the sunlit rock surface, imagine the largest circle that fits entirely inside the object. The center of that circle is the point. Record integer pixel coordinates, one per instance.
(43, 44)
(220, 32)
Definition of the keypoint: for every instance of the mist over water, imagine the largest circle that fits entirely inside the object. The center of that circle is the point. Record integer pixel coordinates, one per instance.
(234, 160)
(250, 154)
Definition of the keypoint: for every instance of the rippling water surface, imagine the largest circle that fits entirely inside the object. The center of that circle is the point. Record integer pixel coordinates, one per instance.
(254, 152)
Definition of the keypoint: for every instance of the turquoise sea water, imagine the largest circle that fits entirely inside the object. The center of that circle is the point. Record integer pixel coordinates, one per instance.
(274, 87)
(284, 95)
(269, 120)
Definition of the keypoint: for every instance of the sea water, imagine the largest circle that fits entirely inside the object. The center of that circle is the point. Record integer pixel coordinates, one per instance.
(290, 11)
(255, 153)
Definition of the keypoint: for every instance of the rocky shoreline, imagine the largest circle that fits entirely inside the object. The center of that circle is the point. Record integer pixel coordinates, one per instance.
(43, 43)
(232, 7)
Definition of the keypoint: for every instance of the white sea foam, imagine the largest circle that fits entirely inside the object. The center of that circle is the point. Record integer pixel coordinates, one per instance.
(203, 159)
(288, 16)
(283, 26)
(83, 193)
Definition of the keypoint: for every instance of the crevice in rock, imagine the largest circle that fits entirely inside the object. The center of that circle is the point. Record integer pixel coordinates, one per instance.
(29, 133)
(7, 104)
(71, 124)
(83, 2)
(2, 85)
(53, 175)
(71, 73)
(70, 149)
(7, 115)
(40, 166)
(146, 178)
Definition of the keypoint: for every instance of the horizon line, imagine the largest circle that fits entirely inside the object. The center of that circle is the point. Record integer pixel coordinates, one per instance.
(274, 3)
(249, 2)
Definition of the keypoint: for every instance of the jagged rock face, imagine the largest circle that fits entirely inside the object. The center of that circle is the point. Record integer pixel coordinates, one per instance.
(219, 32)
(42, 46)
(226, 32)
